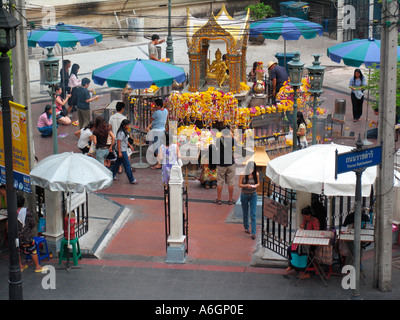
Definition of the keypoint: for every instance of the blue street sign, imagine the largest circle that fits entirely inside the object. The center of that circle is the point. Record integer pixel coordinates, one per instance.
(356, 159)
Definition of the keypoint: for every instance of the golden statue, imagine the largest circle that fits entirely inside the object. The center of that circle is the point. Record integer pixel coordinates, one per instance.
(217, 70)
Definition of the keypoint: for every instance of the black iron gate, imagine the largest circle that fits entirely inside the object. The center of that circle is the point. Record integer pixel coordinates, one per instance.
(185, 213)
(277, 214)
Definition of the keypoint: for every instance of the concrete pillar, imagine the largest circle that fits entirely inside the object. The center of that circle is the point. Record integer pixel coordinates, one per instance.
(176, 239)
(387, 112)
(339, 26)
(54, 220)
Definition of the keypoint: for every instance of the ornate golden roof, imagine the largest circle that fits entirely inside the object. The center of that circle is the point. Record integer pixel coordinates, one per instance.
(222, 23)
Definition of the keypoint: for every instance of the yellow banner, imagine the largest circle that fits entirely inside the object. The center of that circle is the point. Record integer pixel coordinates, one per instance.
(19, 147)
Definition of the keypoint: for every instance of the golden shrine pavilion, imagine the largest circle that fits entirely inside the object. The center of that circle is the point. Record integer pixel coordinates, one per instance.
(230, 69)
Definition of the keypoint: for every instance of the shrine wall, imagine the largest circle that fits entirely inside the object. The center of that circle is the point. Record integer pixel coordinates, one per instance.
(100, 13)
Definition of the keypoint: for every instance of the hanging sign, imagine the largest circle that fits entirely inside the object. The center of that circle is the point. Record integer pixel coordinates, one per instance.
(22, 179)
(353, 160)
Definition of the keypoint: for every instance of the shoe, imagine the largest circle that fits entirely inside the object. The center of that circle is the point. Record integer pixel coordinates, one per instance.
(41, 270)
(134, 181)
(247, 231)
(253, 236)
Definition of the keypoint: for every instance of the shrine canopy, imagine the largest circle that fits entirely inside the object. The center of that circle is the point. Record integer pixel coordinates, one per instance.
(234, 32)
(236, 28)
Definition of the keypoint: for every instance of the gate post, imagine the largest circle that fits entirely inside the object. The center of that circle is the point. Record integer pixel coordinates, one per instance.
(176, 238)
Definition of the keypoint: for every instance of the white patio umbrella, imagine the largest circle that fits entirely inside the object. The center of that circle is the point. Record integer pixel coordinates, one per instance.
(313, 170)
(74, 172)
(71, 172)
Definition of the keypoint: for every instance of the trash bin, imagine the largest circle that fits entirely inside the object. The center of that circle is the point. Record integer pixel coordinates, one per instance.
(281, 59)
(135, 29)
(299, 10)
(325, 25)
(340, 106)
(284, 7)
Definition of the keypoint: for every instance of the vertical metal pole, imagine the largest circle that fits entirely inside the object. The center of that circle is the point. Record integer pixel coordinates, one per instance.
(357, 227)
(15, 282)
(314, 120)
(170, 49)
(295, 118)
(54, 117)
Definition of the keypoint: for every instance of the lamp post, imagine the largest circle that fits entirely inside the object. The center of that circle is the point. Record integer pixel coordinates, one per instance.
(316, 75)
(8, 27)
(295, 74)
(51, 79)
(170, 49)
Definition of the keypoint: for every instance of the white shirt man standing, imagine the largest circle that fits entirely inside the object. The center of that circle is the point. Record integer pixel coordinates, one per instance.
(116, 118)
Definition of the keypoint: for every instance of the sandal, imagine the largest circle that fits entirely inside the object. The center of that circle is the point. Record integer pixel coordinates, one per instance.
(155, 167)
(231, 202)
(41, 270)
(219, 202)
(24, 267)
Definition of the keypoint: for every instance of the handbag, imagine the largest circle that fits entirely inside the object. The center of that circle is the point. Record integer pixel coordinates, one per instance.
(298, 258)
(64, 111)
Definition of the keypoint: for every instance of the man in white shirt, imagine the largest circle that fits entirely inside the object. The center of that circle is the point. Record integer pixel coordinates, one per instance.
(116, 118)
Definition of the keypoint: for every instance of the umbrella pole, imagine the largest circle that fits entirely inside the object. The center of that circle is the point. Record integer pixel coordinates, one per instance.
(141, 164)
(69, 228)
(366, 142)
(63, 73)
(284, 53)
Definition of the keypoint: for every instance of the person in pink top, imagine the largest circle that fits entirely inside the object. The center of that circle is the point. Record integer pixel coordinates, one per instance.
(45, 122)
(62, 112)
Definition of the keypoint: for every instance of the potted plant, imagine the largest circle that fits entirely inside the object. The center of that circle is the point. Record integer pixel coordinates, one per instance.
(259, 11)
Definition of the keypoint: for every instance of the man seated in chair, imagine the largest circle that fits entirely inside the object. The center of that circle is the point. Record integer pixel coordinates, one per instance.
(217, 69)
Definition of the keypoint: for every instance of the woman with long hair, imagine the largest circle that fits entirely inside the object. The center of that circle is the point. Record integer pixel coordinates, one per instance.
(122, 148)
(62, 113)
(301, 130)
(45, 122)
(249, 180)
(102, 133)
(73, 82)
(357, 85)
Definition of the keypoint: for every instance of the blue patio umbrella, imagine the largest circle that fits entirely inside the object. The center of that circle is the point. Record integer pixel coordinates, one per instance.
(64, 35)
(289, 28)
(139, 74)
(357, 52)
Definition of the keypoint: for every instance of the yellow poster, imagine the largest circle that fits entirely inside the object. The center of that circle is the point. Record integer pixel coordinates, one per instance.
(19, 148)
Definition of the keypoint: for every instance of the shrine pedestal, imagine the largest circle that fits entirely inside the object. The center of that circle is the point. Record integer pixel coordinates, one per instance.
(258, 101)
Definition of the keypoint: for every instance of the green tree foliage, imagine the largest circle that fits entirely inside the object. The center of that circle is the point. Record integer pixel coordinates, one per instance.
(260, 11)
(373, 87)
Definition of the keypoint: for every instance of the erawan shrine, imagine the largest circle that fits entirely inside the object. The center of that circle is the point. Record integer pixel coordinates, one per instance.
(218, 92)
